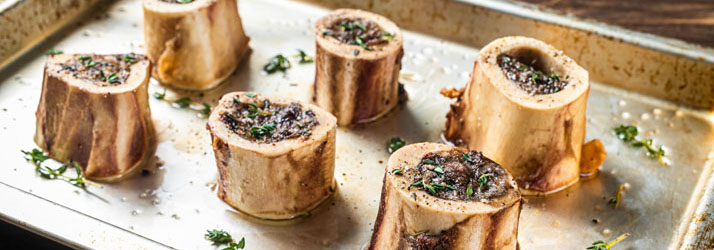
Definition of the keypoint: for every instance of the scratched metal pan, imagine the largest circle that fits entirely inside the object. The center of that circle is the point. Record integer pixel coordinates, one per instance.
(666, 87)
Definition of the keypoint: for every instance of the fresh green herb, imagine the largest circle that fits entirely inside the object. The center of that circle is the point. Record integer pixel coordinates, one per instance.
(360, 26)
(652, 151)
(615, 201)
(522, 68)
(129, 59)
(206, 109)
(54, 52)
(266, 129)
(220, 237)
(37, 157)
(160, 96)
(277, 63)
(468, 158)
(601, 245)
(92, 63)
(439, 170)
(386, 36)
(83, 58)
(469, 191)
(430, 162)
(251, 95)
(327, 33)
(482, 180)
(184, 1)
(397, 172)
(113, 77)
(394, 144)
(304, 58)
(417, 183)
(346, 26)
(101, 75)
(184, 102)
(626, 133)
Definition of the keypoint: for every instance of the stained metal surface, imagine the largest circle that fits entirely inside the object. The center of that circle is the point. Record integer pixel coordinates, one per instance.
(173, 207)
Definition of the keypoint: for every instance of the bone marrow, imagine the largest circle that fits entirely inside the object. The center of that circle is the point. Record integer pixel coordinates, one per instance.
(94, 110)
(436, 196)
(524, 107)
(275, 156)
(193, 45)
(358, 58)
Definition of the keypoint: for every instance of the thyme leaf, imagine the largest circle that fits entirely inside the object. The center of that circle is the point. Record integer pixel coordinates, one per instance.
(601, 245)
(220, 237)
(54, 52)
(394, 144)
(482, 180)
(277, 63)
(397, 171)
(304, 57)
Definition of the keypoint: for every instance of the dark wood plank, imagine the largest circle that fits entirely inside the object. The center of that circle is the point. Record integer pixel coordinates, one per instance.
(688, 20)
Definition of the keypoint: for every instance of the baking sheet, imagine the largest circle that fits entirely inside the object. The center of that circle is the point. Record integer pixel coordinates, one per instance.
(173, 207)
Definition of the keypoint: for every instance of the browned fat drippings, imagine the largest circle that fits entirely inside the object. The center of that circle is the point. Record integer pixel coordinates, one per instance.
(101, 70)
(529, 78)
(458, 175)
(358, 31)
(265, 122)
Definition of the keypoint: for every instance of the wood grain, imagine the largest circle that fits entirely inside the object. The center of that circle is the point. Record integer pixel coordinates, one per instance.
(688, 20)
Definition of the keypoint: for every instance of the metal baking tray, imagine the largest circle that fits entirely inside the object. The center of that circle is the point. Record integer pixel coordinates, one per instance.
(633, 74)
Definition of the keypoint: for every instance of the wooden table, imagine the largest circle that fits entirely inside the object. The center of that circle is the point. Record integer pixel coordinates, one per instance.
(688, 20)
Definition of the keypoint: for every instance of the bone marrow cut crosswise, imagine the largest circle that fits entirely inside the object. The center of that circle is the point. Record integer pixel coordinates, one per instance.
(94, 110)
(436, 196)
(259, 120)
(193, 45)
(275, 156)
(524, 107)
(357, 61)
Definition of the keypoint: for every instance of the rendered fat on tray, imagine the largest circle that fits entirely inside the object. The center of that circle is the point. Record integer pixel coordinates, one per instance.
(275, 156)
(94, 110)
(436, 196)
(193, 45)
(358, 58)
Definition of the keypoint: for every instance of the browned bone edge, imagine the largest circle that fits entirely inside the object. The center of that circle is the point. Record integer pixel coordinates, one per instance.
(609, 60)
(26, 23)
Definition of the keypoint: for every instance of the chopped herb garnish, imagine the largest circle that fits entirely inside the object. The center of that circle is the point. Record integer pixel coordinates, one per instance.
(266, 129)
(277, 63)
(439, 170)
(467, 157)
(628, 133)
(101, 75)
(304, 58)
(83, 58)
(360, 26)
(160, 96)
(394, 144)
(92, 63)
(326, 33)
(251, 95)
(184, 102)
(184, 1)
(387, 36)
(220, 237)
(129, 59)
(470, 191)
(113, 77)
(430, 162)
(397, 171)
(37, 157)
(482, 180)
(417, 183)
(615, 201)
(601, 245)
(206, 109)
(54, 52)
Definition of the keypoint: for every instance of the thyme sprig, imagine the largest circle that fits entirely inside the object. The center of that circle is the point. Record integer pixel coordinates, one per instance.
(282, 63)
(628, 133)
(601, 245)
(394, 144)
(482, 180)
(204, 109)
(37, 157)
(220, 237)
(615, 201)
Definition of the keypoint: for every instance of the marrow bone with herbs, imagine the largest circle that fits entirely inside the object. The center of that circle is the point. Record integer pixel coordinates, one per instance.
(525, 109)
(436, 196)
(94, 110)
(275, 156)
(195, 44)
(357, 61)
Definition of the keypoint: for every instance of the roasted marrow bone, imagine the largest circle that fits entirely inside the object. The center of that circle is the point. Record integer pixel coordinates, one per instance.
(525, 109)
(94, 110)
(275, 156)
(436, 196)
(193, 45)
(357, 62)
